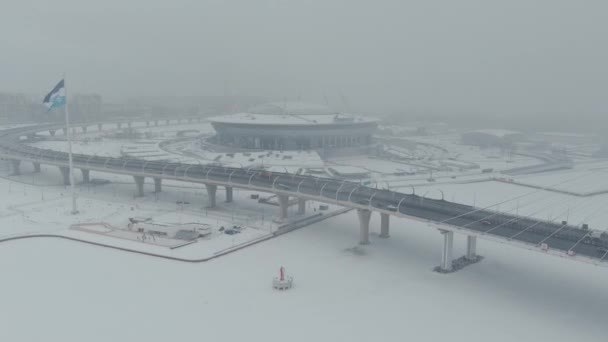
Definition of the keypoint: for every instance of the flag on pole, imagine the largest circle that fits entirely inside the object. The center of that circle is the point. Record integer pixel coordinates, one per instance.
(56, 98)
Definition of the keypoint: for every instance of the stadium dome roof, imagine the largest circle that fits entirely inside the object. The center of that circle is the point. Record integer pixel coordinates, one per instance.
(292, 108)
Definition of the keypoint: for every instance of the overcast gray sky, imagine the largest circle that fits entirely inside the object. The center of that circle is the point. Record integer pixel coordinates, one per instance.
(507, 57)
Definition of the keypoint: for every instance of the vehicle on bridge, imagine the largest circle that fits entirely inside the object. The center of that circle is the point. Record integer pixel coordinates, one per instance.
(283, 186)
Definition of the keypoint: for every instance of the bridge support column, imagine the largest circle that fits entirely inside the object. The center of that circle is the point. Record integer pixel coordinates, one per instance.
(36, 167)
(471, 248)
(200, 119)
(283, 207)
(119, 125)
(301, 206)
(384, 225)
(139, 182)
(65, 130)
(364, 216)
(15, 163)
(52, 132)
(147, 123)
(65, 172)
(228, 194)
(99, 127)
(129, 124)
(155, 122)
(211, 190)
(85, 176)
(84, 129)
(446, 254)
(158, 183)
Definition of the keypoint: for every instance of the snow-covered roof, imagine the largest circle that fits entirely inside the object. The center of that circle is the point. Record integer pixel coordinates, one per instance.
(500, 133)
(290, 119)
(292, 108)
(290, 113)
(564, 134)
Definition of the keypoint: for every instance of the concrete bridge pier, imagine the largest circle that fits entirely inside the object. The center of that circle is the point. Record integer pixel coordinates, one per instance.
(99, 127)
(199, 119)
(471, 248)
(364, 216)
(85, 175)
(301, 206)
(119, 125)
(65, 130)
(84, 129)
(158, 183)
(129, 124)
(384, 225)
(16, 163)
(65, 172)
(446, 253)
(52, 132)
(211, 191)
(147, 123)
(283, 207)
(155, 122)
(229, 193)
(139, 182)
(36, 167)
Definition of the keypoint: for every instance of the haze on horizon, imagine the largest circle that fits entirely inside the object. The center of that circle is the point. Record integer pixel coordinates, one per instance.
(504, 59)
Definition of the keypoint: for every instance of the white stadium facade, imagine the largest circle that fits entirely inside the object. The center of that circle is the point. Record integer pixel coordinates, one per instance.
(294, 126)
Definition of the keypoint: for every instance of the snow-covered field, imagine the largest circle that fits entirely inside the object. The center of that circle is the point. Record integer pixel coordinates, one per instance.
(64, 291)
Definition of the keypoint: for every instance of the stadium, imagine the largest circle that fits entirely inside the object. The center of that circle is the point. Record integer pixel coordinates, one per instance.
(294, 126)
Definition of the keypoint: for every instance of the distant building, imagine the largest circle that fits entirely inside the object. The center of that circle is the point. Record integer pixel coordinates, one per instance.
(565, 138)
(176, 106)
(86, 107)
(16, 108)
(491, 138)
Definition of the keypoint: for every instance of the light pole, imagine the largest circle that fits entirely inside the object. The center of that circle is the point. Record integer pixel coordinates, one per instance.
(422, 198)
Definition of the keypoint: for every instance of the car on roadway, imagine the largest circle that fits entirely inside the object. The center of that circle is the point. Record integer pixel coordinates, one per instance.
(391, 207)
(486, 223)
(282, 186)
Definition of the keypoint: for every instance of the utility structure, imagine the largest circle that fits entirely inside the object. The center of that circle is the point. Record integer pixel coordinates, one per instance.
(58, 97)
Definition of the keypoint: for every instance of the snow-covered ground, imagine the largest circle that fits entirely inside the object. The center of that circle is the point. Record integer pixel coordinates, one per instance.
(65, 291)
(59, 290)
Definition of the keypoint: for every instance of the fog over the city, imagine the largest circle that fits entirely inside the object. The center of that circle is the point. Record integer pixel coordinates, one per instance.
(518, 59)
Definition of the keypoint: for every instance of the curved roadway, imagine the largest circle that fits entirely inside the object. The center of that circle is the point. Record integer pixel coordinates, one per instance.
(533, 233)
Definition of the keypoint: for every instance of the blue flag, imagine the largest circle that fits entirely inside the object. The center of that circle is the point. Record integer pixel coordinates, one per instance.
(56, 98)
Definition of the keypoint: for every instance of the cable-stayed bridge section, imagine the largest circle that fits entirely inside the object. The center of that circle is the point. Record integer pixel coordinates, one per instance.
(557, 238)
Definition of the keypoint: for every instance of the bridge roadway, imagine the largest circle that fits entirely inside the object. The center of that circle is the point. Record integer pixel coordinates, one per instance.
(552, 237)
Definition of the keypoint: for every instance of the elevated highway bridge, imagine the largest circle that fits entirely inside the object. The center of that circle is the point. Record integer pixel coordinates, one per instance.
(550, 237)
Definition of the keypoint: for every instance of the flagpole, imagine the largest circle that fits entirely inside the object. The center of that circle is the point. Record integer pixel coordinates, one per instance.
(69, 137)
